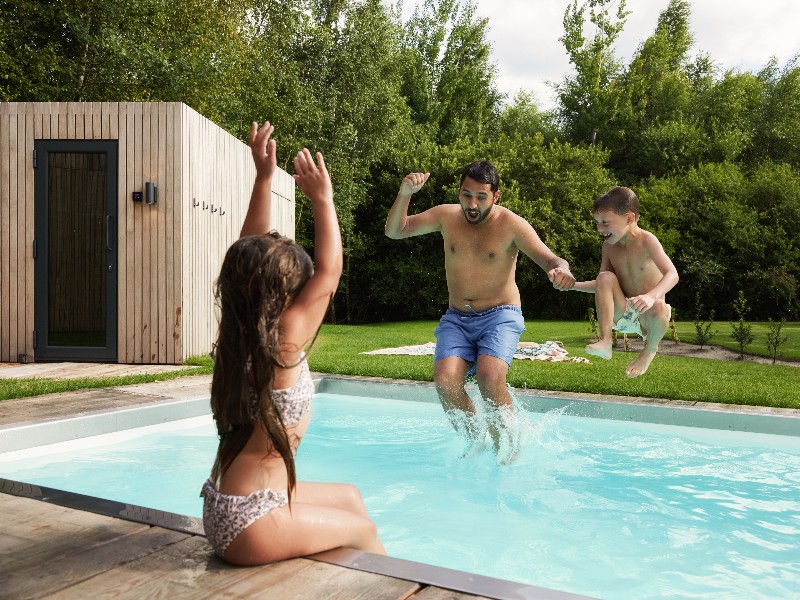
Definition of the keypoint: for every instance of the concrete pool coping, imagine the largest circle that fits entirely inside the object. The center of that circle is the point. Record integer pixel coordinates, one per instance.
(745, 418)
(31, 433)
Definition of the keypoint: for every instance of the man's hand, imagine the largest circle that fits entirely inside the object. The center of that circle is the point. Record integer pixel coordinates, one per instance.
(412, 183)
(263, 149)
(562, 279)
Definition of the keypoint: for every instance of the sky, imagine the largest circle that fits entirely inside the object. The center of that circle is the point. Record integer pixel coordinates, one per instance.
(737, 34)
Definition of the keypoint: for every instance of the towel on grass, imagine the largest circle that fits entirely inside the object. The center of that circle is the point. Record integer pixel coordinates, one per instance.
(548, 351)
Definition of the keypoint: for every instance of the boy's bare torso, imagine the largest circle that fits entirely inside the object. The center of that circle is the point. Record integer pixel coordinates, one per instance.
(480, 260)
(633, 265)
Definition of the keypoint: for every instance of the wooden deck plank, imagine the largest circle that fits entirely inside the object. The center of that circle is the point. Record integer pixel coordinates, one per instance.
(434, 593)
(306, 579)
(45, 577)
(55, 532)
(189, 569)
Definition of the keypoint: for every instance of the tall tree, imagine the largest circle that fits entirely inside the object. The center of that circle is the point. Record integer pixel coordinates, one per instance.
(590, 98)
(449, 78)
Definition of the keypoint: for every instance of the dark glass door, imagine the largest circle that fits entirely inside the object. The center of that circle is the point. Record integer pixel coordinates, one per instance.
(75, 249)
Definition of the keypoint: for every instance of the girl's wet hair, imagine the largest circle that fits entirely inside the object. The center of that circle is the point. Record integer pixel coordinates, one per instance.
(260, 276)
(620, 200)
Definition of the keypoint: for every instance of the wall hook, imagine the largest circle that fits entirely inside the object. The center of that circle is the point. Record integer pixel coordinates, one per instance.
(195, 202)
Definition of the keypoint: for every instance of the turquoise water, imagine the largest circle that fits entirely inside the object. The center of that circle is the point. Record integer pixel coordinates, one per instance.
(612, 509)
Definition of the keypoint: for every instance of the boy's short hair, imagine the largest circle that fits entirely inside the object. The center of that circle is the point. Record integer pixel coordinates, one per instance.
(620, 200)
(482, 171)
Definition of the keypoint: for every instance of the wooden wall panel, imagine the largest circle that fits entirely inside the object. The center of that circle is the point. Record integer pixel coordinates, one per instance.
(5, 227)
(169, 253)
(115, 128)
(221, 174)
(13, 192)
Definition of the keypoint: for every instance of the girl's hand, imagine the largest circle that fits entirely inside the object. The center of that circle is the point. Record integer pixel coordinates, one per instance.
(263, 149)
(312, 179)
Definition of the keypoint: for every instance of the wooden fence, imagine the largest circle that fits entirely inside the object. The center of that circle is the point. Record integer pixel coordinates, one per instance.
(169, 252)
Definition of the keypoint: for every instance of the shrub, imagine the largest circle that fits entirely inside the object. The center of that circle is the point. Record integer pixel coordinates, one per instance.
(741, 330)
(774, 338)
(702, 328)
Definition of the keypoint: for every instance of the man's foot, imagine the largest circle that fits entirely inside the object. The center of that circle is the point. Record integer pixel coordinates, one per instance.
(639, 366)
(601, 349)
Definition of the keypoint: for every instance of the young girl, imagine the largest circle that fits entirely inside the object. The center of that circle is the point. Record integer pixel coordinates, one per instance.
(272, 301)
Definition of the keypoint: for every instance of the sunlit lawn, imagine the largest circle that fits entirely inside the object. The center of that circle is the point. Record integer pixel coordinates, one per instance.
(339, 350)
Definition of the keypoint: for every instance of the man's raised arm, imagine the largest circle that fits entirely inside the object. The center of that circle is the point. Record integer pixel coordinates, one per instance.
(398, 224)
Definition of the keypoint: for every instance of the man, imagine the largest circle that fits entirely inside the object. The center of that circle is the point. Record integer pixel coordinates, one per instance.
(483, 325)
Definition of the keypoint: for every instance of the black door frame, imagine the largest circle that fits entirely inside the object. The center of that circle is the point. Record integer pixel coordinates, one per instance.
(42, 350)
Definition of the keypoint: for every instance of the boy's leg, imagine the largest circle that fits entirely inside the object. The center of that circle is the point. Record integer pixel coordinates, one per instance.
(655, 323)
(610, 302)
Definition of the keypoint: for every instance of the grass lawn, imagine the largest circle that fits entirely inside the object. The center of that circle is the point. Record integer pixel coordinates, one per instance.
(682, 378)
(338, 350)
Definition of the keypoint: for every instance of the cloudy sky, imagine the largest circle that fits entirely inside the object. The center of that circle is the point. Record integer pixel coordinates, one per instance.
(738, 34)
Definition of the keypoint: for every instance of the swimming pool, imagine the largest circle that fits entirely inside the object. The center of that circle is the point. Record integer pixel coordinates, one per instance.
(607, 508)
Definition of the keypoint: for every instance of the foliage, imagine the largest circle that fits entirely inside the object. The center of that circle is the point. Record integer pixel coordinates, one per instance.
(774, 338)
(590, 99)
(702, 328)
(673, 330)
(742, 331)
(712, 153)
(593, 326)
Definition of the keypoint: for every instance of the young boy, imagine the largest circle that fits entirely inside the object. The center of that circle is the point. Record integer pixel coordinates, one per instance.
(635, 276)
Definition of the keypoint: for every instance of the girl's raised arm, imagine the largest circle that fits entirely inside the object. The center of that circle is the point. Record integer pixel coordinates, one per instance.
(257, 221)
(303, 317)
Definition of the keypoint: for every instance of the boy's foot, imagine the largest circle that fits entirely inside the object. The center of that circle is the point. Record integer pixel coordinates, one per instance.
(601, 349)
(640, 364)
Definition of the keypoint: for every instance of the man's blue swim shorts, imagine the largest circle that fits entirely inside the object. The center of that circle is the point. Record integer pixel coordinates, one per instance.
(494, 332)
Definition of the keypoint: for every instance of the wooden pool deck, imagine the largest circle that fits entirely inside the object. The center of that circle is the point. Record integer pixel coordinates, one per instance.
(50, 551)
(54, 550)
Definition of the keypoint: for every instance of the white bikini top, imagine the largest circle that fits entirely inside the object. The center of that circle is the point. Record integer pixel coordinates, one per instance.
(293, 402)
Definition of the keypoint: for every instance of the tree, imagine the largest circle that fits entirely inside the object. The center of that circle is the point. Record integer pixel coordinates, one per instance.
(774, 338)
(134, 50)
(742, 331)
(590, 99)
(448, 78)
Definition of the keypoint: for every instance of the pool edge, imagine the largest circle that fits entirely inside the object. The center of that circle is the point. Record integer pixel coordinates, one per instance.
(399, 568)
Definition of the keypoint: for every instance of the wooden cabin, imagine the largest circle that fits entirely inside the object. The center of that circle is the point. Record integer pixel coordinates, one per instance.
(114, 220)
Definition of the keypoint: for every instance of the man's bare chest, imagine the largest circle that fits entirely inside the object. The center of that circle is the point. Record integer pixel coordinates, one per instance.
(478, 249)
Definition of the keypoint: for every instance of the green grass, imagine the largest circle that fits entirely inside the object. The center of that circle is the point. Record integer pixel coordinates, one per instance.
(36, 386)
(790, 350)
(705, 380)
(339, 347)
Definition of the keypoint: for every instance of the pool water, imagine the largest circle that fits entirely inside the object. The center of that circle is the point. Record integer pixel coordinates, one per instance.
(612, 509)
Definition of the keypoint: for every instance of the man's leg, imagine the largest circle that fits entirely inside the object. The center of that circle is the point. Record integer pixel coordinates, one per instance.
(496, 348)
(491, 376)
(655, 323)
(610, 303)
(449, 374)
